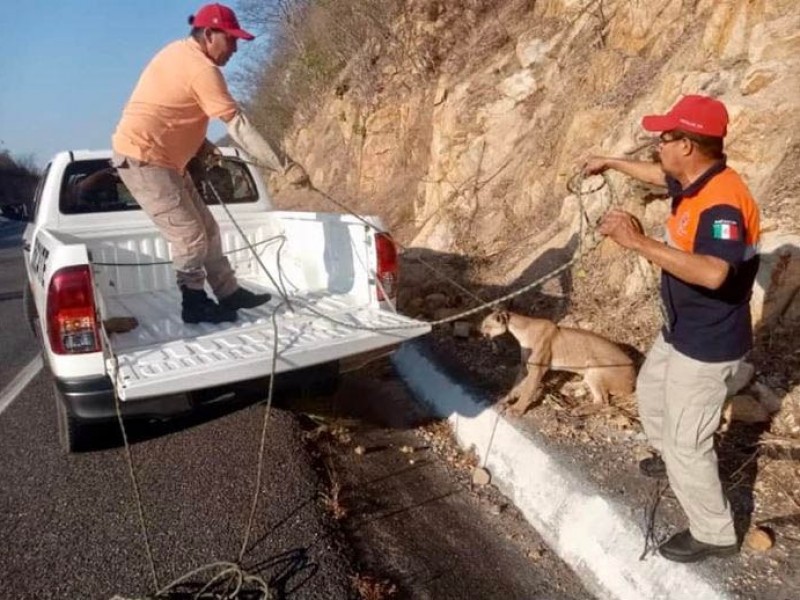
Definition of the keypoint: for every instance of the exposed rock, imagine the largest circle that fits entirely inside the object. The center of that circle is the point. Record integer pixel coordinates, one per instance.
(767, 398)
(532, 51)
(759, 539)
(473, 159)
(744, 408)
(436, 301)
(756, 79)
(778, 280)
(481, 476)
(519, 86)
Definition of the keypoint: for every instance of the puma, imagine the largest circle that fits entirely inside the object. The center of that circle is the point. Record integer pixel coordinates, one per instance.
(606, 369)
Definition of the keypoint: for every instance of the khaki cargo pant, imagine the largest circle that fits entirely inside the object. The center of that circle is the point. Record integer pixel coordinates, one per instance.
(680, 405)
(172, 202)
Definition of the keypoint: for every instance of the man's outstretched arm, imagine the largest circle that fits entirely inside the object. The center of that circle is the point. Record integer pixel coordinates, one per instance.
(646, 171)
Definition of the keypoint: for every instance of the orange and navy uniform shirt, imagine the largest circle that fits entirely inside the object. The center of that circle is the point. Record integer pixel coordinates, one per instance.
(715, 216)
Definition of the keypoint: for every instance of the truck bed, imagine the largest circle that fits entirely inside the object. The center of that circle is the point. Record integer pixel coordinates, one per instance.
(163, 355)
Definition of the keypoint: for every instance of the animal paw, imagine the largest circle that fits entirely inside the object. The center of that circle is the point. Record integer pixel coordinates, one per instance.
(518, 409)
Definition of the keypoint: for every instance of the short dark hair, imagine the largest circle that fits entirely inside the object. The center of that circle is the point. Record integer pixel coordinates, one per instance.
(710, 146)
(196, 32)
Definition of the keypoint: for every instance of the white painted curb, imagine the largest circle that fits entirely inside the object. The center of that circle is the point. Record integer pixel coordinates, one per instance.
(587, 530)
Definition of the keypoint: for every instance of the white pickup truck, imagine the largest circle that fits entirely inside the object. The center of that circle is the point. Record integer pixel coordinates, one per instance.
(92, 255)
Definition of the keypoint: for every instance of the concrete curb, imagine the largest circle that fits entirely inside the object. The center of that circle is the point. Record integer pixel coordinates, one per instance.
(587, 529)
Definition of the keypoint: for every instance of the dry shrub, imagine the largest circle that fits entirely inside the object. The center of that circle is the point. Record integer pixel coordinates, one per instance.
(311, 42)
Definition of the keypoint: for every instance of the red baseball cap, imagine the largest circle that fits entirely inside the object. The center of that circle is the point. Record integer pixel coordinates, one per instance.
(693, 114)
(217, 16)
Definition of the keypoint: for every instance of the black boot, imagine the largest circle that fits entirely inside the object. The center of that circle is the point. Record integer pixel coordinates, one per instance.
(682, 547)
(653, 467)
(243, 298)
(199, 308)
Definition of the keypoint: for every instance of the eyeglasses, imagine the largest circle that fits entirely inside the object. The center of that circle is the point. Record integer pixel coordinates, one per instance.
(667, 137)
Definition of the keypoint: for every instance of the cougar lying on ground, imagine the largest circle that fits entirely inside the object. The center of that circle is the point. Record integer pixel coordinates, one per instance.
(606, 369)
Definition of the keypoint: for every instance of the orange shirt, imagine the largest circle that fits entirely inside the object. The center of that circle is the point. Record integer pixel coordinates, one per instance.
(166, 118)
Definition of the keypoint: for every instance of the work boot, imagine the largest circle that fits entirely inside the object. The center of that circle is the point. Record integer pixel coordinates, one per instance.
(197, 307)
(653, 467)
(683, 548)
(243, 298)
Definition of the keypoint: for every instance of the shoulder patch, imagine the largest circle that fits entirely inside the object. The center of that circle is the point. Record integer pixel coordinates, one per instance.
(725, 229)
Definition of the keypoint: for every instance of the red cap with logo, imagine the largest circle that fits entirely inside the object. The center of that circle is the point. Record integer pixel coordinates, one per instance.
(217, 16)
(693, 114)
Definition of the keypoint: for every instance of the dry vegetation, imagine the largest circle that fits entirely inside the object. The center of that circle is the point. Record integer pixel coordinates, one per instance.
(18, 179)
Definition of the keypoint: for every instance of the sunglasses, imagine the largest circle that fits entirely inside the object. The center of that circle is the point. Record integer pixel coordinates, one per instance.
(667, 137)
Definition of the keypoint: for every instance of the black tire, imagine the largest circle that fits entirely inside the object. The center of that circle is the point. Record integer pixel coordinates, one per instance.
(73, 434)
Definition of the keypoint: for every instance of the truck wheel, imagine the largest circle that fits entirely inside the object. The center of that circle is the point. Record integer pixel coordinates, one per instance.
(74, 435)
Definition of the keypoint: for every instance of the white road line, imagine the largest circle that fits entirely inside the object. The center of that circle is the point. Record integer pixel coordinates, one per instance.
(23, 378)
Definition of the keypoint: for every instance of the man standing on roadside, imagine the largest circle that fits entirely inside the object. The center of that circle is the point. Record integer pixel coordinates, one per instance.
(709, 263)
(164, 126)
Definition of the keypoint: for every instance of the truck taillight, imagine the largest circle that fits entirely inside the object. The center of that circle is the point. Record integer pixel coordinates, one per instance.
(387, 266)
(71, 321)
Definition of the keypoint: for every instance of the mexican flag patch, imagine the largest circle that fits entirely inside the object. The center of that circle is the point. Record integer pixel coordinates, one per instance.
(726, 230)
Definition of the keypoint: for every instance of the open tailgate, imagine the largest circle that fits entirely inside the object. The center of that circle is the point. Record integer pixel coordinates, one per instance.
(165, 356)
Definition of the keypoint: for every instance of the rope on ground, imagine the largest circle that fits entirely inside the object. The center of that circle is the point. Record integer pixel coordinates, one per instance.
(227, 580)
(651, 541)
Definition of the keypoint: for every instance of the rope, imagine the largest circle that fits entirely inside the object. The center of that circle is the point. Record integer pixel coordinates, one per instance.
(230, 579)
(484, 305)
(129, 460)
(238, 227)
(259, 470)
(574, 185)
(651, 541)
(169, 262)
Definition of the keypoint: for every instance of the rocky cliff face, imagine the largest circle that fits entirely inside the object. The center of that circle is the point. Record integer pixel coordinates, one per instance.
(479, 113)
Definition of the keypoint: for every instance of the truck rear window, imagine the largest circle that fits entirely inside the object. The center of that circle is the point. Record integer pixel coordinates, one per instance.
(93, 186)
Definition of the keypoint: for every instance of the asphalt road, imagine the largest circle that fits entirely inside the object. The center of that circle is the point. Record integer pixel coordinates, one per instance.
(69, 525)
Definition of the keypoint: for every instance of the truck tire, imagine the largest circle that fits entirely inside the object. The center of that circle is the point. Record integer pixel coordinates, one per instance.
(73, 434)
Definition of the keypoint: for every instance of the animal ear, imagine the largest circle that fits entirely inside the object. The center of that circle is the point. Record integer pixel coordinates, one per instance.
(503, 317)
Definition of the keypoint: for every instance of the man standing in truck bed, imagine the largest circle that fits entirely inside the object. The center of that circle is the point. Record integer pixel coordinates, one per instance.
(163, 127)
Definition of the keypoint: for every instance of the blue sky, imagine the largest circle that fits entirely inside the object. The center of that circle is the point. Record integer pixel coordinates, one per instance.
(68, 66)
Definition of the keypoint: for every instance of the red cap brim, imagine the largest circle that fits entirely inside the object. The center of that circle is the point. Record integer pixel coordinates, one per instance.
(241, 34)
(659, 123)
